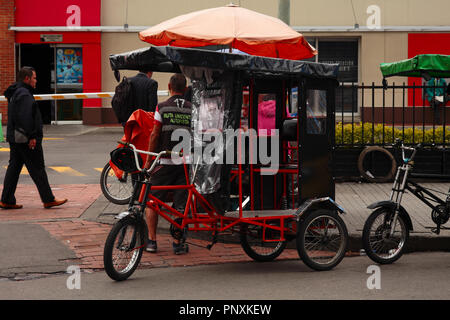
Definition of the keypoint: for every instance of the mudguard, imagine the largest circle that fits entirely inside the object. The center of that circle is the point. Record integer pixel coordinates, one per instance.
(318, 203)
(392, 205)
(127, 215)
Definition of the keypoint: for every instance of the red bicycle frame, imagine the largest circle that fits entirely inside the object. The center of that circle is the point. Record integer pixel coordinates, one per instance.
(210, 220)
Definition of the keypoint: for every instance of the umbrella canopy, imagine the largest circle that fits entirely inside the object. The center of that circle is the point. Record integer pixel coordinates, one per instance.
(236, 27)
(433, 65)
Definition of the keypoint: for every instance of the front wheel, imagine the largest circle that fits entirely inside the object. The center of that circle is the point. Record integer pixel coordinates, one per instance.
(380, 244)
(123, 249)
(254, 245)
(322, 240)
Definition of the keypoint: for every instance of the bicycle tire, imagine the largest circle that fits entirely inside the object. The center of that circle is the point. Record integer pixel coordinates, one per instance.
(118, 192)
(369, 176)
(255, 247)
(310, 228)
(370, 237)
(136, 245)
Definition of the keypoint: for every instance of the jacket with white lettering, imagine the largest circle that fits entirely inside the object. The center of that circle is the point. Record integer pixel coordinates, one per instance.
(173, 114)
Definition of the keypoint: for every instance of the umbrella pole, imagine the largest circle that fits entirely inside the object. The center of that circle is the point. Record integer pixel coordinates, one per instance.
(230, 48)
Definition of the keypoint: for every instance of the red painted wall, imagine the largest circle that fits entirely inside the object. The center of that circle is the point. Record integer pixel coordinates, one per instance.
(67, 13)
(92, 72)
(57, 13)
(425, 43)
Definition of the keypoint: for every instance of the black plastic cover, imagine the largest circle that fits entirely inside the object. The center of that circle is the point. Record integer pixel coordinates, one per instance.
(168, 59)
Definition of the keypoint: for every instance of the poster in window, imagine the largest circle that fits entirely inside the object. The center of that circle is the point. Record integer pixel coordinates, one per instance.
(69, 66)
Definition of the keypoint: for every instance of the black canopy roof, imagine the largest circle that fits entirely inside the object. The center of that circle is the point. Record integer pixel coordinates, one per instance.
(168, 59)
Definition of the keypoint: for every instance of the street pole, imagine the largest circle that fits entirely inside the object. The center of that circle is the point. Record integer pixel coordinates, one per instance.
(284, 11)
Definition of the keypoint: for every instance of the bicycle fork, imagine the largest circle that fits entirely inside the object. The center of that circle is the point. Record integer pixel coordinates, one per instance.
(398, 189)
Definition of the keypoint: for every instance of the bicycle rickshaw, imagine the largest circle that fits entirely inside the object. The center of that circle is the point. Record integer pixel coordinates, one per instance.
(267, 204)
(386, 230)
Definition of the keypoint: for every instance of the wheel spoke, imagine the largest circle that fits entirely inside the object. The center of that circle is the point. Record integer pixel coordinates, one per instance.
(323, 240)
(382, 244)
(116, 188)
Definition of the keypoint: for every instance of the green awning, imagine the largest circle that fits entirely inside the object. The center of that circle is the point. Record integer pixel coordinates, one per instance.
(434, 65)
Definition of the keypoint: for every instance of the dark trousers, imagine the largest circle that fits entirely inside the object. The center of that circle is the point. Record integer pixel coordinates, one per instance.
(19, 155)
(437, 109)
(168, 175)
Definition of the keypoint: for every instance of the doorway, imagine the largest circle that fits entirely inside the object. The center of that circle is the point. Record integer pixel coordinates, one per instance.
(58, 70)
(42, 58)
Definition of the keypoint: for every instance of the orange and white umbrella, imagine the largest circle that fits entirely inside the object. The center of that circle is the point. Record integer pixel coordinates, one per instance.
(239, 28)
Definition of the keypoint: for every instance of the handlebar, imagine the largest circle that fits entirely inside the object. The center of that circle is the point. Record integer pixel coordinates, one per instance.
(399, 143)
(157, 155)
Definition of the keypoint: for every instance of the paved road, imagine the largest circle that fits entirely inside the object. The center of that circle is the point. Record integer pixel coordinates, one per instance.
(74, 157)
(414, 276)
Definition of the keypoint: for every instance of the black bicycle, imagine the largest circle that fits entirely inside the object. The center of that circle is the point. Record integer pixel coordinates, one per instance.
(386, 230)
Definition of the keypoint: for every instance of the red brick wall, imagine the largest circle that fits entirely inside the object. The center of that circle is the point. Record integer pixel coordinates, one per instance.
(7, 63)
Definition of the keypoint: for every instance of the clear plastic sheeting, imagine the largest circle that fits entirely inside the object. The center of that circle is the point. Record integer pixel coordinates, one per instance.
(199, 73)
(209, 100)
(316, 111)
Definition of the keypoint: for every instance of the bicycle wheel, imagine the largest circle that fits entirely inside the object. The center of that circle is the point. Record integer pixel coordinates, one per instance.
(123, 249)
(257, 249)
(118, 191)
(379, 244)
(322, 240)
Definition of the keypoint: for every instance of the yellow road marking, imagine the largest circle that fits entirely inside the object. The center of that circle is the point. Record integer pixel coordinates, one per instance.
(53, 138)
(68, 170)
(65, 170)
(4, 149)
(24, 170)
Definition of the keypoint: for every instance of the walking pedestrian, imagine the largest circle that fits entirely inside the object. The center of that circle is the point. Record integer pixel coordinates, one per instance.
(24, 135)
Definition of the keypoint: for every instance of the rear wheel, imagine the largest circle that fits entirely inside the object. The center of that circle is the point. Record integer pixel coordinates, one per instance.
(118, 191)
(256, 248)
(380, 245)
(123, 249)
(322, 240)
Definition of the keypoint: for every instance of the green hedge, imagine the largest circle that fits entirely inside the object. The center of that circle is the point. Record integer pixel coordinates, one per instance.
(431, 135)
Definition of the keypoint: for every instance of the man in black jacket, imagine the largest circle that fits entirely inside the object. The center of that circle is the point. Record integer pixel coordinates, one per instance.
(145, 91)
(24, 117)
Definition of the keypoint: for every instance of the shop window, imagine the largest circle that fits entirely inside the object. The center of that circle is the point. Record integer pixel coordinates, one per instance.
(345, 53)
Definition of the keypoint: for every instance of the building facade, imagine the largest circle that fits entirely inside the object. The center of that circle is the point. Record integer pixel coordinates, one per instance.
(69, 41)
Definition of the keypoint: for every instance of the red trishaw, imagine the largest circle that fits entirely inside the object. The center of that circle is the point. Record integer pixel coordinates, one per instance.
(283, 191)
